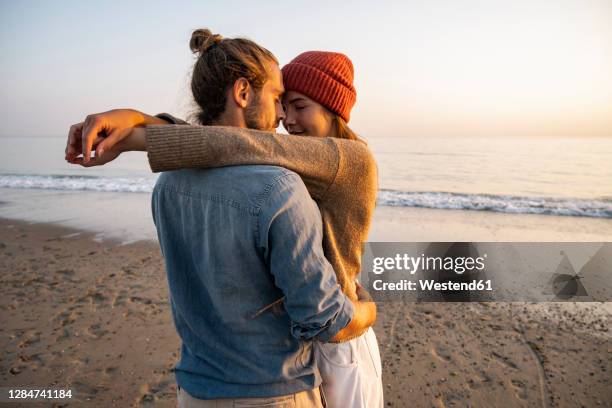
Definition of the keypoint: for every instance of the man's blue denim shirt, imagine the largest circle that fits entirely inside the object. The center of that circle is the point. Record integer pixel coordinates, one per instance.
(234, 240)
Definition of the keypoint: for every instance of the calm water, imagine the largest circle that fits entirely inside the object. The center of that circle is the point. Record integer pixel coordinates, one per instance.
(563, 168)
(564, 176)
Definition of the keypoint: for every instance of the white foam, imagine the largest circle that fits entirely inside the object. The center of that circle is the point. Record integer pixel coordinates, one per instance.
(597, 208)
(78, 183)
(498, 203)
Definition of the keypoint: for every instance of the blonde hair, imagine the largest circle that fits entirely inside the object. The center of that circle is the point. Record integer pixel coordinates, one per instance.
(342, 130)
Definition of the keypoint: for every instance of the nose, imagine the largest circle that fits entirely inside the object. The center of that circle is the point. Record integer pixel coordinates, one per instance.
(289, 118)
(280, 113)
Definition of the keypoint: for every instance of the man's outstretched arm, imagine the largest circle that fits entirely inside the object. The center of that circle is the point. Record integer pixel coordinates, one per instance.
(318, 161)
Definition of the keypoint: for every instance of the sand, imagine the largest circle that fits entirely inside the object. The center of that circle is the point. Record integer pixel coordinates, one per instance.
(400, 224)
(91, 314)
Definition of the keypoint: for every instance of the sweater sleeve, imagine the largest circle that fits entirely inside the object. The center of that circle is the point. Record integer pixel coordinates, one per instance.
(316, 160)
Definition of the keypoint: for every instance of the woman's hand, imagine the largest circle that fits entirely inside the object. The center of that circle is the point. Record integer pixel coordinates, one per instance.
(104, 130)
(362, 294)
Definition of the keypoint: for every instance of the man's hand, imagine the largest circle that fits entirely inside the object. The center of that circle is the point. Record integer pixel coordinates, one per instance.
(135, 141)
(73, 146)
(103, 131)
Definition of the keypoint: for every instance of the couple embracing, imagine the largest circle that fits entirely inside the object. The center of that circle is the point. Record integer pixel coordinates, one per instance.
(261, 233)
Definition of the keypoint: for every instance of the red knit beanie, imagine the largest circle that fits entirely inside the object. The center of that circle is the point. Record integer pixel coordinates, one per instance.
(325, 77)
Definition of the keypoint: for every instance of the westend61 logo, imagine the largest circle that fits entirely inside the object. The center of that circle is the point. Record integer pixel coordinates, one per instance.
(488, 271)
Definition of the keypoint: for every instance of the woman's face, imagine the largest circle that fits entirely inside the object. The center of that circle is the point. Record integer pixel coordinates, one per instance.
(305, 117)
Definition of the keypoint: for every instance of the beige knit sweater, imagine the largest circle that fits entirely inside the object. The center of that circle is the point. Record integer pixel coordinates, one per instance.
(340, 176)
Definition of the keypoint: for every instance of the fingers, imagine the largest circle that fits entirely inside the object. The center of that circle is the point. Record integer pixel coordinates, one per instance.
(74, 140)
(97, 160)
(80, 162)
(96, 142)
(114, 123)
(92, 162)
(73, 147)
(93, 126)
(108, 142)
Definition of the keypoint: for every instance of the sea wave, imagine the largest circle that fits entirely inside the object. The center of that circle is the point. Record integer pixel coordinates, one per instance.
(78, 183)
(598, 208)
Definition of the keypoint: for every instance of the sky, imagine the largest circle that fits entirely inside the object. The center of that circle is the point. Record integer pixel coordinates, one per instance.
(451, 68)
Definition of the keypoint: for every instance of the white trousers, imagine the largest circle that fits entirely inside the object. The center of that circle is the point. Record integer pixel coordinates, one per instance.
(352, 372)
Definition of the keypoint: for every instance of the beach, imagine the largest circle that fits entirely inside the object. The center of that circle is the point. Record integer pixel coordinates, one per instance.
(85, 300)
(490, 124)
(87, 309)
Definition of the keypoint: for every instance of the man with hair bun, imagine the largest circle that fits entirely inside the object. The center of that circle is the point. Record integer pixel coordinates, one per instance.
(237, 239)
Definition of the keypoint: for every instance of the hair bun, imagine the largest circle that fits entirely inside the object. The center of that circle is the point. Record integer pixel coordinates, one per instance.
(202, 39)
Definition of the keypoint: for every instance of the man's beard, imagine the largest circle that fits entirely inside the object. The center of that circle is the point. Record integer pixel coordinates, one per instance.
(254, 117)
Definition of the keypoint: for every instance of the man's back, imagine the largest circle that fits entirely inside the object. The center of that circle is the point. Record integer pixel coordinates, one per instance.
(236, 239)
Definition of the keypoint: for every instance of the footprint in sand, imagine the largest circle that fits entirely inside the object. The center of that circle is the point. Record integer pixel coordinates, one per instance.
(152, 394)
(138, 299)
(65, 334)
(503, 360)
(120, 298)
(29, 338)
(84, 361)
(85, 390)
(441, 353)
(27, 359)
(93, 297)
(111, 371)
(34, 361)
(66, 317)
(520, 389)
(96, 331)
(65, 272)
(17, 369)
(480, 379)
(146, 397)
(97, 298)
(162, 388)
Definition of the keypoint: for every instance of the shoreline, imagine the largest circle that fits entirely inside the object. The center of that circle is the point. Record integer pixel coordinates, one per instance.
(93, 315)
(130, 220)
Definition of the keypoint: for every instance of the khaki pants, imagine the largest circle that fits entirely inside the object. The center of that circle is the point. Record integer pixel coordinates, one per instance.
(304, 399)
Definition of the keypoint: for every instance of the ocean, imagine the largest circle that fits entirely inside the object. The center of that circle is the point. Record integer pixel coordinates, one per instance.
(549, 176)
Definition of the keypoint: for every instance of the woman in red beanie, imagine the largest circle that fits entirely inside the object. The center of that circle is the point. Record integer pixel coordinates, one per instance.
(319, 96)
(340, 174)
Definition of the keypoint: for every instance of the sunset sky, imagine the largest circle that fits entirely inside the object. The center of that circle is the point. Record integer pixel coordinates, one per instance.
(423, 68)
